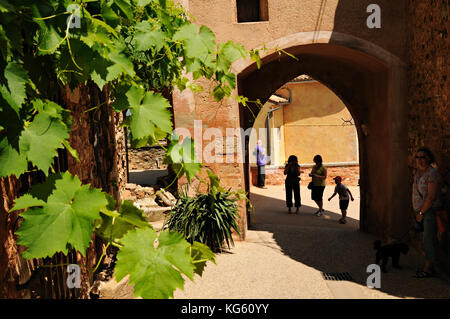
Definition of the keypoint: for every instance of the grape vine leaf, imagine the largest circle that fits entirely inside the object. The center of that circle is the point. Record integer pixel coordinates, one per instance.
(108, 14)
(228, 53)
(129, 217)
(27, 201)
(11, 161)
(196, 45)
(41, 139)
(64, 221)
(147, 37)
(5, 45)
(154, 267)
(182, 156)
(149, 114)
(126, 8)
(200, 254)
(44, 190)
(9, 98)
(143, 3)
(17, 78)
(49, 39)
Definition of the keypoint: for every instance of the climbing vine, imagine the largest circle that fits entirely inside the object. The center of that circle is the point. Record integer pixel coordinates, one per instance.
(135, 48)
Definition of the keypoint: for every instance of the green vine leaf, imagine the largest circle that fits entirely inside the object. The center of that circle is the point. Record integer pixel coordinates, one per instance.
(148, 36)
(5, 45)
(154, 267)
(128, 218)
(41, 139)
(196, 45)
(182, 157)
(49, 39)
(11, 161)
(17, 78)
(27, 201)
(65, 220)
(4, 92)
(149, 111)
(126, 8)
(228, 53)
(201, 254)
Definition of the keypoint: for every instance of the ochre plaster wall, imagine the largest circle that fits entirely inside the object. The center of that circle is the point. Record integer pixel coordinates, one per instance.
(311, 124)
(259, 131)
(292, 16)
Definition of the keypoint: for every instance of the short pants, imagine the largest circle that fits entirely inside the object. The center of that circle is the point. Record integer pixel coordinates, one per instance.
(343, 204)
(317, 192)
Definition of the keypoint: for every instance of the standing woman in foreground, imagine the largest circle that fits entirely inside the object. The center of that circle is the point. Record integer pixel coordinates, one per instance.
(427, 200)
(319, 176)
(292, 182)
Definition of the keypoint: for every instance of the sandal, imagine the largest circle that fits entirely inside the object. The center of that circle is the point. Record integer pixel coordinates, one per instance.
(342, 221)
(423, 274)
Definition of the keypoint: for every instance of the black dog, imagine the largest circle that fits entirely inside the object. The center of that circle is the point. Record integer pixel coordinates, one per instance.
(391, 250)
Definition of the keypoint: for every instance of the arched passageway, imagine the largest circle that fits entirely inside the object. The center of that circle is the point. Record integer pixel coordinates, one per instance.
(370, 81)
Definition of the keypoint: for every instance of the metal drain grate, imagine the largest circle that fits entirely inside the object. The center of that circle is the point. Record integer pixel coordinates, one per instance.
(337, 276)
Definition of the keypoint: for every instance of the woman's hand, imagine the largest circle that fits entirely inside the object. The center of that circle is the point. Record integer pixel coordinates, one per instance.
(419, 217)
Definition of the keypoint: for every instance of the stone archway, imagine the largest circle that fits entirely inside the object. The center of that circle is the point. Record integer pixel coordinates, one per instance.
(371, 82)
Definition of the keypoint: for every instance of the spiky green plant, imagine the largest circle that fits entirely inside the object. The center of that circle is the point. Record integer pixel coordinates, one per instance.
(208, 218)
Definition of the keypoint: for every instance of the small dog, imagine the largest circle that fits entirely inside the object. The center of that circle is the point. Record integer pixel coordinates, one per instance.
(391, 250)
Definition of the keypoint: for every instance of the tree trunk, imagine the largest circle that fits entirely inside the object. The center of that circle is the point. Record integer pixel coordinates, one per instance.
(100, 144)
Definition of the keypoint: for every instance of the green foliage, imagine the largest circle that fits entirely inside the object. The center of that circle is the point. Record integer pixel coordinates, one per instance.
(155, 263)
(207, 218)
(182, 157)
(115, 225)
(62, 214)
(135, 48)
(64, 221)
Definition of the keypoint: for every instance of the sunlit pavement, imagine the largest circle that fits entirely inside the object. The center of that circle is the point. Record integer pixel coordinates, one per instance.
(284, 256)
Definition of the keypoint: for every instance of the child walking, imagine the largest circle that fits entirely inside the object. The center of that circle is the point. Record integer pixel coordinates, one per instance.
(343, 192)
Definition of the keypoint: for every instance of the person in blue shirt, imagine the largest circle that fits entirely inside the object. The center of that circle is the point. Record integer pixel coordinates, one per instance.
(261, 159)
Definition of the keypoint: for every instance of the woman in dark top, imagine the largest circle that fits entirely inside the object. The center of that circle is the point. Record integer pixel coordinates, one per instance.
(292, 183)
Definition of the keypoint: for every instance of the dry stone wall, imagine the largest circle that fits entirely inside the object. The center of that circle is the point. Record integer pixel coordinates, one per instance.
(428, 86)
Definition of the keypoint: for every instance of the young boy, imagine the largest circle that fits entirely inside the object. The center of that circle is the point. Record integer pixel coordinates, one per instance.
(343, 192)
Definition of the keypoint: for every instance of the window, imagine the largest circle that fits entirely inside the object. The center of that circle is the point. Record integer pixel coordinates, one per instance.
(252, 10)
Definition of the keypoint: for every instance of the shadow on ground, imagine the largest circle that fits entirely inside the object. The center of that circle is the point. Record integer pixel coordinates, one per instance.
(325, 245)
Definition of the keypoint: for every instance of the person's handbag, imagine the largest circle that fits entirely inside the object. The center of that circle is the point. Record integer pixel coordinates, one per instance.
(310, 185)
(418, 226)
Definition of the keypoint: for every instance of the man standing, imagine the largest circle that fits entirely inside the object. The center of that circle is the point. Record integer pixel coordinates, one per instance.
(261, 162)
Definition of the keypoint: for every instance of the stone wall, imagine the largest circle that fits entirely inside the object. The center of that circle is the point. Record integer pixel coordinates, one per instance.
(428, 85)
(146, 158)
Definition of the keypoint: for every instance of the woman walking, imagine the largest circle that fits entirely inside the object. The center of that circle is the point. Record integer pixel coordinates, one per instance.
(319, 176)
(427, 200)
(292, 182)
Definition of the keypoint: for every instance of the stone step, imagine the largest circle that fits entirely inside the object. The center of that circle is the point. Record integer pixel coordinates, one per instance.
(156, 213)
